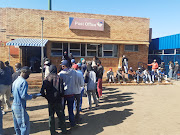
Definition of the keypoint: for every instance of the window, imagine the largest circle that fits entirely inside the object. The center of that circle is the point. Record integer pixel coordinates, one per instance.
(131, 48)
(84, 49)
(177, 51)
(169, 51)
(108, 50)
(56, 49)
(92, 49)
(75, 49)
(157, 51)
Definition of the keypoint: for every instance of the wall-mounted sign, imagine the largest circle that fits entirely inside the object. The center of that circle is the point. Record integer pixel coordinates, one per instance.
(86, 24)
(2, 44)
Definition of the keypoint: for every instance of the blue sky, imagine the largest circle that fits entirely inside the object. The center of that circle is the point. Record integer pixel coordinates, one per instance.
(164, 14)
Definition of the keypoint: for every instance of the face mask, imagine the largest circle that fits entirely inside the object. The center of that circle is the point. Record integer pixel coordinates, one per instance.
(26, 76)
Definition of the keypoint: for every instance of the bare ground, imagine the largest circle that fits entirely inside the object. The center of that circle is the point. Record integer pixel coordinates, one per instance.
(124, 110)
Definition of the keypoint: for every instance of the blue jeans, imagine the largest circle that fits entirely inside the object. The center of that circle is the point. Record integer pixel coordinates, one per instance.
(82, 92)
(70, 102)
(1, 124)
(21, 120)
(170, 73)
(175, 76)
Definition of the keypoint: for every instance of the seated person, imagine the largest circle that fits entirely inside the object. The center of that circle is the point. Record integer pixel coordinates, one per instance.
(146, 76)
(131, 74)
(110, 76)
(139, 74)
(161, 74)
(120, 75)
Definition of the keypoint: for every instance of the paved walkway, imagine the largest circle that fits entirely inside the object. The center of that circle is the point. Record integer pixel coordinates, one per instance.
(127, 110)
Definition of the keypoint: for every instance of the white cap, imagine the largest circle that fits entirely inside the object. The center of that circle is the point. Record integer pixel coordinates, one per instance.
(46, 62)
(130, 68)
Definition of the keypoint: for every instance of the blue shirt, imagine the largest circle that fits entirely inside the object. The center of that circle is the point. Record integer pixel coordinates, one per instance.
(19, 90)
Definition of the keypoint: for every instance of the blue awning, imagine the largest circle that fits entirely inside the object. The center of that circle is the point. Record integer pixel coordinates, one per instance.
(27, 42)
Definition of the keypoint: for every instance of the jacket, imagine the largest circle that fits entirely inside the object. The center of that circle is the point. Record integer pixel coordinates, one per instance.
(80, 82)
(5, 76)
(154, 65)
(176, 68)
(19, 90)
(52, 88)
(100, 72)
(70, 81)
(91, 85)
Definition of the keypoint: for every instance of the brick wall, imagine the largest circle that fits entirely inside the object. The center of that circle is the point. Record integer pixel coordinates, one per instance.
(121, 30)
(4, 56)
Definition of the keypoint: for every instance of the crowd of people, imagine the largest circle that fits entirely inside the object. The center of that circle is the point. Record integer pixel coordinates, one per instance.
(157, 72)
(64, 87)
(67, 87)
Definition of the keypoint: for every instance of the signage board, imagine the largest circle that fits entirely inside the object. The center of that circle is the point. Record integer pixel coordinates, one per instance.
(86, 24)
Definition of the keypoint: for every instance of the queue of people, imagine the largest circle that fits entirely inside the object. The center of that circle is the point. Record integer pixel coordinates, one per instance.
(66, 86)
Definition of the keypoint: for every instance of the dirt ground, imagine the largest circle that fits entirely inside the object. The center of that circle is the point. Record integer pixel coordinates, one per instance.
(124, 110)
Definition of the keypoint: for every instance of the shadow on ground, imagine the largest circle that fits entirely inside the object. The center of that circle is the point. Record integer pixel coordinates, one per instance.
(113, 99)
(92, 123)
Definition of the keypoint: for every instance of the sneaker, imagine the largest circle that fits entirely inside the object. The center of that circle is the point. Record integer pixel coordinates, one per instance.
(146, 81)
(3, 112)
(134, 80)
(151, 82)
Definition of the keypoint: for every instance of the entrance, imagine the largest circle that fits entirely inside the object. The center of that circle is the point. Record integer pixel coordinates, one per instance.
(31, 57)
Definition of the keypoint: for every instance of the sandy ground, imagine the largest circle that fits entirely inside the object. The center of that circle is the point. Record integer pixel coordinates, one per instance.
(125, 110)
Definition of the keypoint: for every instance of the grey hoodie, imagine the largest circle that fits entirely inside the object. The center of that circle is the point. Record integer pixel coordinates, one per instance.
(71, 81)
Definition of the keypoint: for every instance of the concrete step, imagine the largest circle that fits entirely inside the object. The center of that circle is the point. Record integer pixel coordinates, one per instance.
(135, 84)
(34, 83)
(35, 86)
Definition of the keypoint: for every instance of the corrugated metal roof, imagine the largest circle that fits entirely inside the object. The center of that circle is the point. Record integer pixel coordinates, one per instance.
(27, 42)
(167, 42)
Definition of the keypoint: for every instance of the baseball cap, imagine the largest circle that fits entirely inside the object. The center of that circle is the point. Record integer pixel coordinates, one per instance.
(75, 66)
(79, 65)
(65, 63)
(73, 61)
(25, 69)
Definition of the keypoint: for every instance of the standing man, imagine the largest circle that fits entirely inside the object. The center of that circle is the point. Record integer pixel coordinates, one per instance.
(53, 90)
(154, 69)
(171, 69)
(91, 86)
(176, 69)
(1, 93)
(5, 85)
(100, 71)
(70, 81)
(125, 64)
(19, 90)
(17, 73)
(78, 90)
(9, 67)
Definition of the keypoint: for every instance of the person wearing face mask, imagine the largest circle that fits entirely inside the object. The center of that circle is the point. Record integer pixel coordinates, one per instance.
(19, 90)
(139, 74)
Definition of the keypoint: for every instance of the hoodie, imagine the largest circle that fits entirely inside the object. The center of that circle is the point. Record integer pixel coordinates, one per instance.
(71, 81)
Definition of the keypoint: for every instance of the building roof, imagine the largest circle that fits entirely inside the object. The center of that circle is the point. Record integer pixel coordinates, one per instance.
(167, 42)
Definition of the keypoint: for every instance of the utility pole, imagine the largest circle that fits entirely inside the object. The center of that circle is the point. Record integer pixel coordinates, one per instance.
(49, 5)
(42, 50)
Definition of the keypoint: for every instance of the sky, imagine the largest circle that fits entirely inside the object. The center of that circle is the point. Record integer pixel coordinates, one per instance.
(164, 14)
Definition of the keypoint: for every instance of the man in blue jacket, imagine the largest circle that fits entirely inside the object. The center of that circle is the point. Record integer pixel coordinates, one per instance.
(19, 90)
